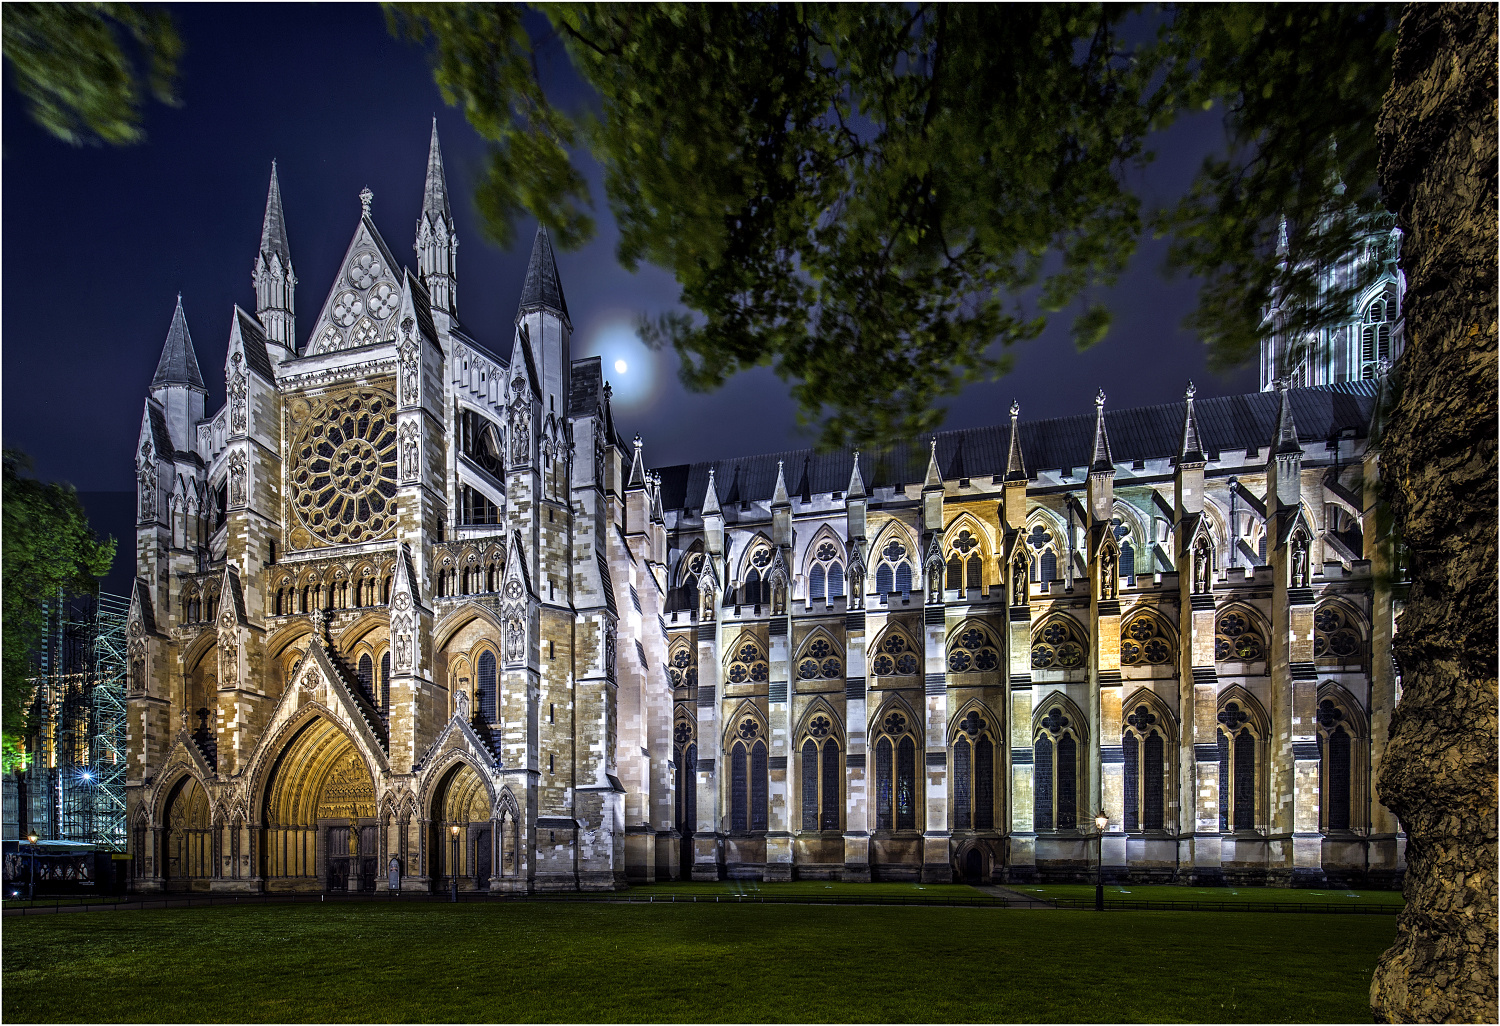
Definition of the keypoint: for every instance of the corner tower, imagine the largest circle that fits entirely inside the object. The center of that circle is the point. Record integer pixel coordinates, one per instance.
(275, 284)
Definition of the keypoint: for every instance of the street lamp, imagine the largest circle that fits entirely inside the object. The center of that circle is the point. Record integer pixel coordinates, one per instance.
(1101, 821)
(33, 839)
(453, 832)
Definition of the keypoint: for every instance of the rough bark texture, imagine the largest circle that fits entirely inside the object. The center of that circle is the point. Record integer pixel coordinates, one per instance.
(1438, 167)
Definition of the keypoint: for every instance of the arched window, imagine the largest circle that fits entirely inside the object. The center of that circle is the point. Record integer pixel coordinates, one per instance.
(1335, 638)
(973, 775)
(686, 750)
(1145, 770)
(367, 673)
(1044, 554)
(895, 656)
(1127, 561)
(1055, 751)
(955, 572)
(895, 775)
(748, 782)
(893, 574)
(680, 669)
(485, 679)
(1343, 757)
(820, 659)
(1238, 770)
(1058, 644)
(1145, 641)
(749, 663)
(385, 682)
(965, 564)
(825, 577)
(974, 650)
(1375, 332)
(1237, 639)
(757, 587)
(822, 776)
(817, 583)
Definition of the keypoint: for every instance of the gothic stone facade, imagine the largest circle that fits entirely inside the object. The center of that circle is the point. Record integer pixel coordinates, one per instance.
(407, 606)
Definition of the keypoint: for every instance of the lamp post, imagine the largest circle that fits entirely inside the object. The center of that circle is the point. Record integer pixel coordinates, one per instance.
(1101, 821)
(453, 832)
(31, 891)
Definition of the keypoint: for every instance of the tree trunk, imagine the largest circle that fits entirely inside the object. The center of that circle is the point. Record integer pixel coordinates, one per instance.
(1438, 168)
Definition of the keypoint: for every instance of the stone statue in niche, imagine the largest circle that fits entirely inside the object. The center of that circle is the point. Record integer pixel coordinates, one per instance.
(237, 479)
(707, 595)
(1018, 583)
(410, 461)
(411, 365)
(1299, 561)
(461, 702)
(1202, 569)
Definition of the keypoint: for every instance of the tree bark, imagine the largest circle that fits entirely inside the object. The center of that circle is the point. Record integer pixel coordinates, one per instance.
(1437, 138)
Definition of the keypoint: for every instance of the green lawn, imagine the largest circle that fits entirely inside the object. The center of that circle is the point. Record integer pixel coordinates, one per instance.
(803, 890)
(1228, 895)
(549, 962)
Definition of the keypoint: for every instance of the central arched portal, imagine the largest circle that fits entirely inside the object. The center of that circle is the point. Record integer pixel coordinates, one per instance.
(461, 800)
(321, 831)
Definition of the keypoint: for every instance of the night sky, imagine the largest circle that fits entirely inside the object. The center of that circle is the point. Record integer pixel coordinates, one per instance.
(98, 241)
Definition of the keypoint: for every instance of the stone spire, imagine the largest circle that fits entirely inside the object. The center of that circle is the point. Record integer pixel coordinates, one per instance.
(437, 240)
(637, 477)
(1015, 465)
(780, 497)
(179, 363)
(856, 488)
(711, 496)
(543, 288)
(1103, 460)
(934, 477)
(275, 283)
(1192, 448)
(1285, 443)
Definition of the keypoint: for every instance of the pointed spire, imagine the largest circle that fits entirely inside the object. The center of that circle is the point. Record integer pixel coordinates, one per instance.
(711, 496)
(179, 363)
(780, 496)
(637, 477)
(1103, 461)
(435, 193)
(273, 230)
(543, 288)
(856, 489)
(1192, 448)
(1015, 466)
(1285, 443)
(934, 477)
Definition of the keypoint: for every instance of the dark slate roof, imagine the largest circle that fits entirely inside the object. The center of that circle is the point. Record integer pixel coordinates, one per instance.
(1062, 443)
(273, 231)
(583, 389)
(143, 599)
(161, 435)
(254, 341)
(543, 289)
(435, 193)
(179, 363)
(421, 301)
(481, 347)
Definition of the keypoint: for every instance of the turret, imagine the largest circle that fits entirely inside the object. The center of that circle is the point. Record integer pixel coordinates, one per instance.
(178, 384)
(1015, 474)
(713, 518)
(1190, 462)
(1284, 468)
(544, 313)
(275, 284)
(781, 510)
(437, 241)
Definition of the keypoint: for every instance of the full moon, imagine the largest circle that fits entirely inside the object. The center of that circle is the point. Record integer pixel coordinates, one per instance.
(619, 366)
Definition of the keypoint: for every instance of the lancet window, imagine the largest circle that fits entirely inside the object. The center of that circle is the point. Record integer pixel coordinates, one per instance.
(825, 577)
(1342, 761)
(893, 572)
(1239, 737)
(685, 748)
(1044, 554)
(895, 773)
(1056, 746)
(748, 777)
(1145, 745)
(973, 774)
(965, 567)
(822, 774)
(1375, 329)
(756, 590)
(485, 686)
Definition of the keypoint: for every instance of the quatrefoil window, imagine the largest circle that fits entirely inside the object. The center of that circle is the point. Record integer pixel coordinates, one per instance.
(762, 558)
(383, 300)
(346, 309)
(971, 724)
(894, 552)
(1039, 538)
(1141, 719)
(894, 724)
(827, 551)
(748, 729)
(364, 270)
(1329, 714)
(964, 542)
(682, 733)
(819, 727)
(1055, 721)
(1233, 717)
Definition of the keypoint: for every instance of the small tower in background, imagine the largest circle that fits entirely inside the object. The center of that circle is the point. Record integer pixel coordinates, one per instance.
(275, 284)
(437, 241)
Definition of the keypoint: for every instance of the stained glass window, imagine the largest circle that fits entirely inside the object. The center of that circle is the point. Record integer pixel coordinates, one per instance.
(1067, 782)
(883, 785)
(1042, 784)
(906, 785)
(1132, 782)
(739, 805)
(486, 680)
(832, 780)
(809, 785)
(961, 768)
(759, 817)
(1154, 812)
(984, 784)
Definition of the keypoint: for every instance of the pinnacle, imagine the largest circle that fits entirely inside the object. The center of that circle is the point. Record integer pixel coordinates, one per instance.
(179, 363)
(273, 230)
(856, 489)
(1103, 460)
(435, 193)
(543, 288)
(1192, 447)
(1015, 465)
(1286, 442)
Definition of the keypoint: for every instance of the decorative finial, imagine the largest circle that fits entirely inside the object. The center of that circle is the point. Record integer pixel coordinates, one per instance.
(710, 475)
(609, 390)
(934, 446)
(1192, 390)
(1099, 399)
(779, 465)
(365, 197)
(1015, 409)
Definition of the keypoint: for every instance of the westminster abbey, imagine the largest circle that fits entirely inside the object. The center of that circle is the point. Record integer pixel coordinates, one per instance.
(411, 608)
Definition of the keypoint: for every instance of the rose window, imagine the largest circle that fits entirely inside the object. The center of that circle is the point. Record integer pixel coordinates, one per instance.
(680, 658)
(346, 309)
(383, 300)
(1333, 636)
(748, 729)
(1145, 643)
(343, 467)
(365, 269)
(895, 723)
(1057, 646)
(1237, 640)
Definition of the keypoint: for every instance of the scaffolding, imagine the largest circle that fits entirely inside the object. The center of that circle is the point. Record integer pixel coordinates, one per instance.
(76, 785)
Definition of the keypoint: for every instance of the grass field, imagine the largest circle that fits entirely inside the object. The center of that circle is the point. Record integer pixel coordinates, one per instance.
(686, 962)
(1227, 895)
(813, 889)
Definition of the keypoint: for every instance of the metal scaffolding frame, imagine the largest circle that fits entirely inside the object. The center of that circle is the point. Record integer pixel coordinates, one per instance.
(77, 787)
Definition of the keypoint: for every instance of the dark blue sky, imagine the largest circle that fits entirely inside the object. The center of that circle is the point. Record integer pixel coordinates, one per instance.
(98, 242)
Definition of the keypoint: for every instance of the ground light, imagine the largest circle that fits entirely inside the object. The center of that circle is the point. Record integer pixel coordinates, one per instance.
(453, 831)
(1101, 821)
(33, 839)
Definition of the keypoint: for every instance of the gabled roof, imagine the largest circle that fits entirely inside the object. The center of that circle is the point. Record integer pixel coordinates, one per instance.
(369, 278)
(1142, 433)
(179, 363)
(543, 289)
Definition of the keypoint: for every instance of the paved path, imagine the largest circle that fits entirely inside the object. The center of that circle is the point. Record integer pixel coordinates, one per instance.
(1013, 898)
